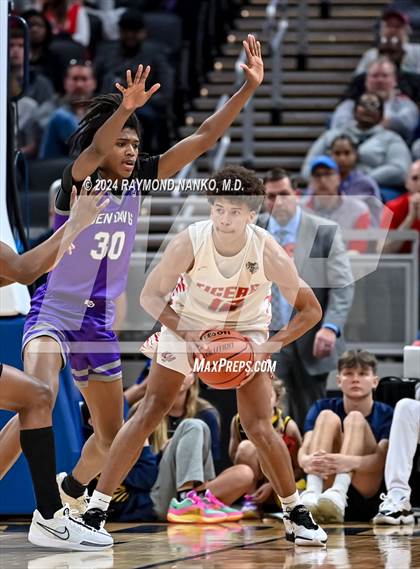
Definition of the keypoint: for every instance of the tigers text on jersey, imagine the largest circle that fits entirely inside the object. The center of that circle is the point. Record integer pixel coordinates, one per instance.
(210, 293)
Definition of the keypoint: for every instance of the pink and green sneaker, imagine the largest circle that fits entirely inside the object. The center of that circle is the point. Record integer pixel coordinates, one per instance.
(193, 510)
(232, 514)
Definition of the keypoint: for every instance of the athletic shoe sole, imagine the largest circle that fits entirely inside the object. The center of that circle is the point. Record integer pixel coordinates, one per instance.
(194, 519)
(389, 520)
(38, 538)
(305, 542)
(328, 512)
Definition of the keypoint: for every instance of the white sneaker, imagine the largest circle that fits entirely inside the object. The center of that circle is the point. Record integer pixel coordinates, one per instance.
(394, 512)
(78, 506)
(301, 528)
(74, 560)
(64, 532)
(309, 499)
(331, 507)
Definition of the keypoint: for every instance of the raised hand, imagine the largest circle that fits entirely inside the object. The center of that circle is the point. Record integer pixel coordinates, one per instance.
(254, 67)
(85, 207)
(135, 94)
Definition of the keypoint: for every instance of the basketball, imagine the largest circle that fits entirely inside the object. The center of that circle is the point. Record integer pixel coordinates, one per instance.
(227, 363)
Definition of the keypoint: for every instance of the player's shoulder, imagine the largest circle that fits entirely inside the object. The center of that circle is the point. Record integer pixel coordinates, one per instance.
(148, 166)
(180, 247)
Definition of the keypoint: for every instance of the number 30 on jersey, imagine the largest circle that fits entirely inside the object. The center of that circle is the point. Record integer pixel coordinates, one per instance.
(110, 245)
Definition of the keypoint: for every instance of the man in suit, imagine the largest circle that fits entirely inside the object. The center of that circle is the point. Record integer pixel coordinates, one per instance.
(320, 256)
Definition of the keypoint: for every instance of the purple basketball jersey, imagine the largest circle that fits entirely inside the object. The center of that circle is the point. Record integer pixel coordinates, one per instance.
(98, 266)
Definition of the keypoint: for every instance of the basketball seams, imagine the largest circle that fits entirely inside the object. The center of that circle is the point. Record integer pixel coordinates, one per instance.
(229, 341)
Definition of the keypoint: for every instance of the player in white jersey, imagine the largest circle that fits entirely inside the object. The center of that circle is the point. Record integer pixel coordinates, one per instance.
(226, 267)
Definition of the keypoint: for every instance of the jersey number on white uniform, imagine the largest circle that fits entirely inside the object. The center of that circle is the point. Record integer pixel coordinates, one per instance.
(111, 245)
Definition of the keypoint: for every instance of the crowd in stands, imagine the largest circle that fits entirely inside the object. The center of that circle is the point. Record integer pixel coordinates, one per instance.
(80, 48)
(367, 156)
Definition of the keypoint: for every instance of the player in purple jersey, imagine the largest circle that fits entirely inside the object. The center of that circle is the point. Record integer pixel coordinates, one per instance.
(32, 400)
(72, 315)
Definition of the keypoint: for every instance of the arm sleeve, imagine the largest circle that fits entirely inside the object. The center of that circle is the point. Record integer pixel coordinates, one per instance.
(148, 167)
(395, 165)
(339, 283)
(343, 114)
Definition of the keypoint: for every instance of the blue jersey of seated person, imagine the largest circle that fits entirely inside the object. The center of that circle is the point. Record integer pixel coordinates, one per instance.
(379, 419)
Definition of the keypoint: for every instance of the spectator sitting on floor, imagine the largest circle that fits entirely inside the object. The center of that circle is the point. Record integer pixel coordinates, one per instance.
(79, 85)
(353, 181)
(400, 113)
(403, 212)
(345, 445)
(243, 451)
(325, 200)
(175, 479)
(395, 508)
(394, 24)
(383, 154)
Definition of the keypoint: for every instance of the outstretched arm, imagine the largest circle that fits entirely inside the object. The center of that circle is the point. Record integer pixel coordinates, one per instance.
(134, 96)
(26, 268)
(214, 127)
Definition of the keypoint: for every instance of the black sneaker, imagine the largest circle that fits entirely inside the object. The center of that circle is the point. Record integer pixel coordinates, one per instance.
(95, 518)
(301, 528)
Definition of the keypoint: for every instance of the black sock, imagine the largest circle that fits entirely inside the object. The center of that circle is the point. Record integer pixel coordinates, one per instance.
(39, 450)
(72, 487)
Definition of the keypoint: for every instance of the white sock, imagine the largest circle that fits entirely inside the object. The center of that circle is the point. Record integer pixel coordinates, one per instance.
(100, 501)
(314, 483)
(289, 502)
(342, 482)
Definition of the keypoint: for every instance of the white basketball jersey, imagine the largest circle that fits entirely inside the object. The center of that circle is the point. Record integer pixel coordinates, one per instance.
(207, 295)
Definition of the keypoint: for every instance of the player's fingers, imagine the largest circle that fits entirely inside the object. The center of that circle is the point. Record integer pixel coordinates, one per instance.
(73, 196)
(120, 88)
(153, 89)
(259, 49)
(129, 78)
(251, 40)
(139, 71)
(103, 205)
(247, 50)
(145, 75)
